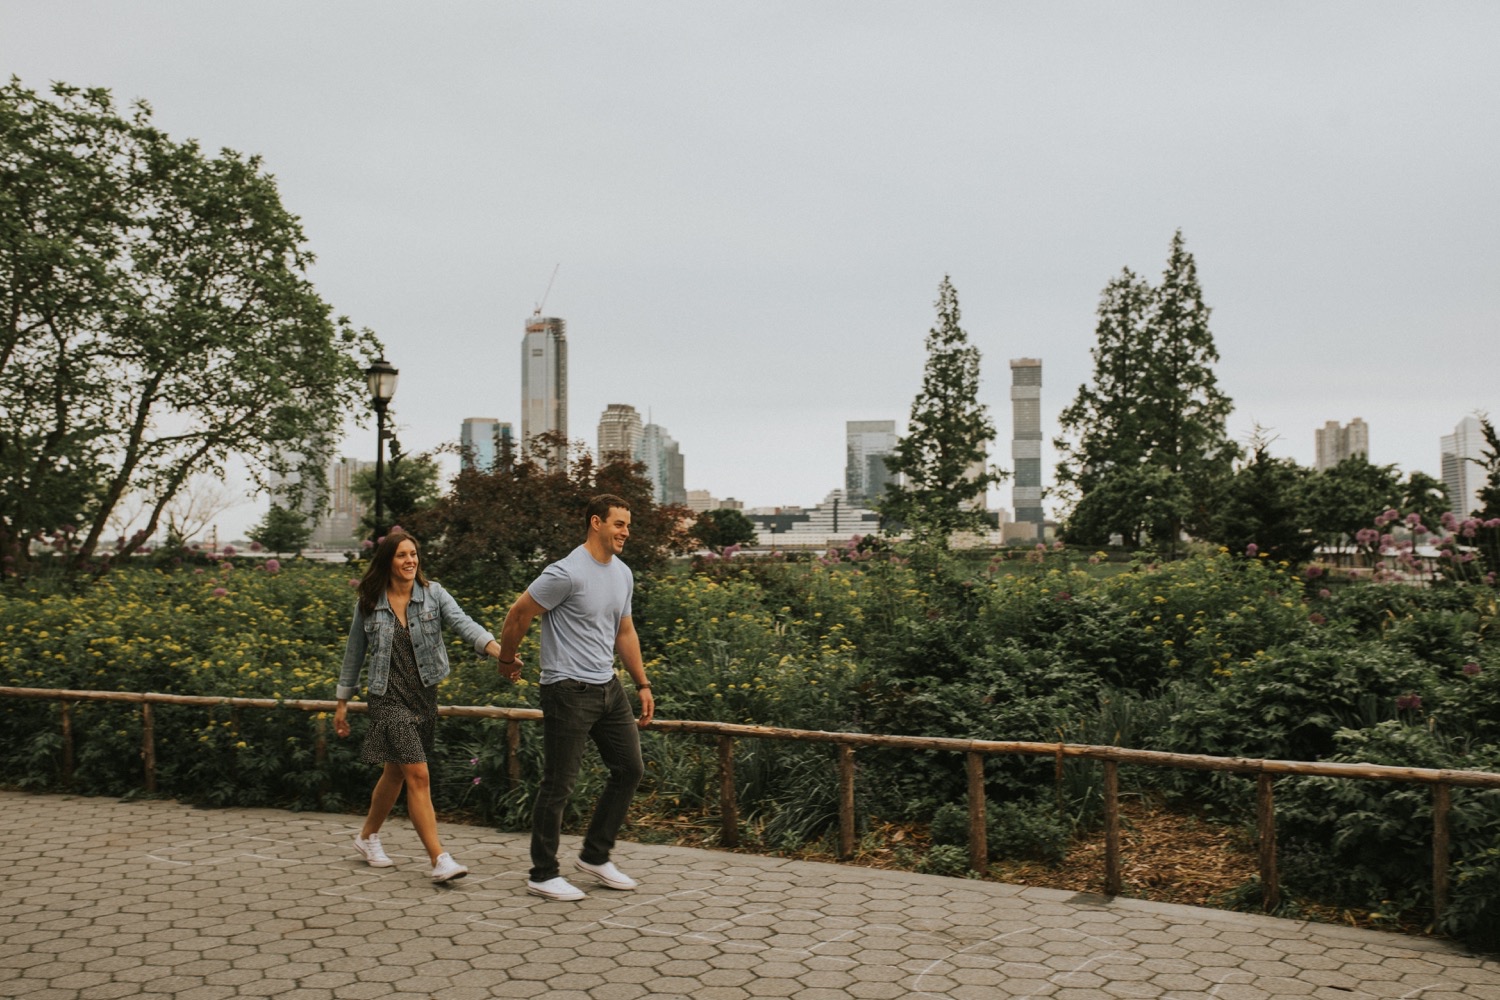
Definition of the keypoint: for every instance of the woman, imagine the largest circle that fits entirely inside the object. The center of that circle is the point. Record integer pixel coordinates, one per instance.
(399, 618)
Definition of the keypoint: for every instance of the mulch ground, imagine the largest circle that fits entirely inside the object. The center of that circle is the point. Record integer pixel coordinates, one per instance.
(1167, 855)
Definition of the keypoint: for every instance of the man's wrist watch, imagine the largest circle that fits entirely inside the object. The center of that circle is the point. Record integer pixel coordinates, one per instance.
(507, 662)
(643, 687)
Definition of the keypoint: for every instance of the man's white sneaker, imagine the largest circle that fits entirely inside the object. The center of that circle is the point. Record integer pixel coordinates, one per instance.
(447, 869)
(608, 874)
(556, 888)
(373, 853)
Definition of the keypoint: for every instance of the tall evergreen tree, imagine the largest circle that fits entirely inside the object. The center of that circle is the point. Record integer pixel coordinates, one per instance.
(942, 461)
(1155, 401)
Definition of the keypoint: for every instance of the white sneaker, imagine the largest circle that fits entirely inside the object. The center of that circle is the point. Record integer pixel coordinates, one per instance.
(374, 854)
(447, 869)
(556, 888)
(608, 874)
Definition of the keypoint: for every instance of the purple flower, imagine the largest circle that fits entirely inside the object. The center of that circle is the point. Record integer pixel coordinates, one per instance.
(220, 592)
(1471, 669)
(473, 760)
(255, 546)
(353, 582)
(1383, 519)
(273, 566)
(1313, 572)
(1325, 593)
(367, 544)
(1251, 549)
(229, 550)
(478, 780)
(1408, 702)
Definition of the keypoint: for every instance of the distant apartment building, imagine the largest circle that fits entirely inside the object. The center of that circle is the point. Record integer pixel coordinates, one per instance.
(483, 441)
(664, 464)
(1334, 443)
(837, 519)
(868, 444)
(1026, 445)
(337, 526)
(620, 431)
(1463, 478)
(699, 501)
(544, 386)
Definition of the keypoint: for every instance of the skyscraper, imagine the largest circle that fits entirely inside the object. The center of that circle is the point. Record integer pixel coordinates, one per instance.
(865, 473)
(483, 441)
(619, 431)
(664, 464)
(337, 525)
(1335, 443)
(544, 386)
(1463, 478)
(1026, 440)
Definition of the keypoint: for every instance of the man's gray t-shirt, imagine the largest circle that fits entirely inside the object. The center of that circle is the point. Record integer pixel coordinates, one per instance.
(585, 600)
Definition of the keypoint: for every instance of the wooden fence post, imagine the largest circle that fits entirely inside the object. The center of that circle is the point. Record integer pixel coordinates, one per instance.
(513, 752)
(846, 801)
(979, 846)
(148, 746)
(1442, 799)
(67, 743)
(1265, 830)
(729, 807)
(320, 755)
(1112, 882)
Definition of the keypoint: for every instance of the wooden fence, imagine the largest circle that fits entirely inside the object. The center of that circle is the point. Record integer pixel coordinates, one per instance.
(1266, 771)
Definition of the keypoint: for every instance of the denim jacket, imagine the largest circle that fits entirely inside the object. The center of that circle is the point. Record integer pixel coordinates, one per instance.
(430, 609)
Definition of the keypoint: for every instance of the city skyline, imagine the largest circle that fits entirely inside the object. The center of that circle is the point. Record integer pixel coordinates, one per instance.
(748, 216)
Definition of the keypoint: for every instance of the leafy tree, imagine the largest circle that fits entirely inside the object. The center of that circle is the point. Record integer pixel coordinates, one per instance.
(1426, 497)
(409, 485)
(1137, 503)
(1264, 503)
(1346, 498)
(282, 530)
(494, 531)
(1154, 401)
(155, 320)
(1487, 539)
(719, 529)
(942, 460)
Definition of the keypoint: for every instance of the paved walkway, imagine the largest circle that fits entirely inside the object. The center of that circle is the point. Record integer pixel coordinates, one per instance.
(102, 899)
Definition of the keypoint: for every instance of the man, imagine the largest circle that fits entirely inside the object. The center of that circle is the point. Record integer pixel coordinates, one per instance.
(584, 601)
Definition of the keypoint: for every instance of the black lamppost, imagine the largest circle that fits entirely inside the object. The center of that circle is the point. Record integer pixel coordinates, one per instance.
(381, 377)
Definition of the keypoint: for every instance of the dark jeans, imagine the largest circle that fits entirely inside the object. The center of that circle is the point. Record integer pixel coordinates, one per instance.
(572, 714)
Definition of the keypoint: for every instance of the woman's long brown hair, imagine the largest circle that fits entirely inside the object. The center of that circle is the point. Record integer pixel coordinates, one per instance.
(378, 576)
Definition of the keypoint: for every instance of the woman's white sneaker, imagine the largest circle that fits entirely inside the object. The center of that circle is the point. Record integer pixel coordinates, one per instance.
(446, 869)
(373, 853)
(608, 874)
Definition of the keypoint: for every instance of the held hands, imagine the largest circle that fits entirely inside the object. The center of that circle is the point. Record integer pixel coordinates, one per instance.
(340, 720)
(648, 707)
(510, 670)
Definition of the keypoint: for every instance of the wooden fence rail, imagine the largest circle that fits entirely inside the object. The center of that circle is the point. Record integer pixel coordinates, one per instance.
(1266, 771)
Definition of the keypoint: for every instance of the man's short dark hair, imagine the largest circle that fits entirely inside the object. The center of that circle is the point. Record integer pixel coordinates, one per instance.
(600, 507)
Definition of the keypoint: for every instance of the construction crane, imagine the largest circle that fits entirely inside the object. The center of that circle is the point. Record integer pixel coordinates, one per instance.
(538, 310)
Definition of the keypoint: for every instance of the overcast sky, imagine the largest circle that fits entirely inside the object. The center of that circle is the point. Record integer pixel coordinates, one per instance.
(752, 204)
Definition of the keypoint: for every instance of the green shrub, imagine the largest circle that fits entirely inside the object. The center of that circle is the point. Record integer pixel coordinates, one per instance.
(1368, 844)
(1013, 830)
(944, 859)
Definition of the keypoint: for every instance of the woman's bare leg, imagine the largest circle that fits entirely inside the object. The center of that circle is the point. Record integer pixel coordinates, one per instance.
(419, 807)
(384, 797)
